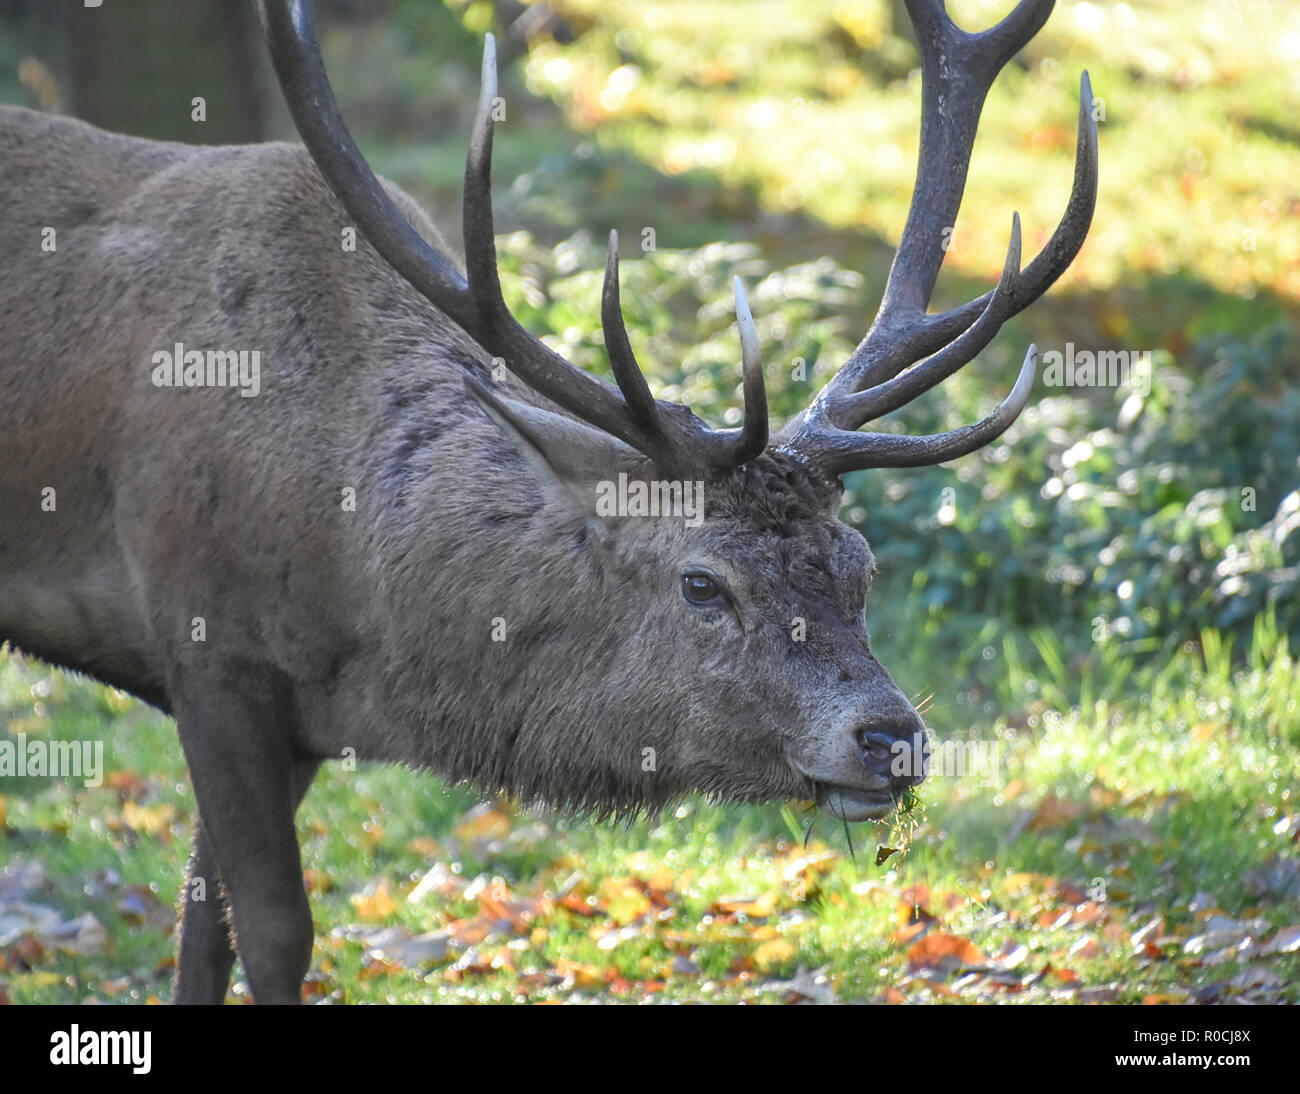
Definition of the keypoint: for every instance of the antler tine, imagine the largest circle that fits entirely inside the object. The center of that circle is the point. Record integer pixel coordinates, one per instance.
(477, 223)
(495, 328)
(845, 450)
(670, 435)
(957, 70)
(997, 45)
(622, 361)
(753, 434)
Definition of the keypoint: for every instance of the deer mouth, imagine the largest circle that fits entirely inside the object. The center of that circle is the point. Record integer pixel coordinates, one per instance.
(852, 803)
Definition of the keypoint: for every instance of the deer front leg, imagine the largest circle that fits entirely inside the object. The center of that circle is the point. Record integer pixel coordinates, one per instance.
(248, 783)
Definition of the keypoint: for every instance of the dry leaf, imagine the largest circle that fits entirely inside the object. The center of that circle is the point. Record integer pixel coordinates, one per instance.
(939, 948)
(377, 903)
(1054, 812)
(771, 954)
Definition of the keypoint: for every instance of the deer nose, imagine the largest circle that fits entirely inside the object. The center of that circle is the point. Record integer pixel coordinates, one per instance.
(897, 748)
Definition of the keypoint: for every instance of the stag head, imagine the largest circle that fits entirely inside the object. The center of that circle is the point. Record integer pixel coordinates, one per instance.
(770, 586)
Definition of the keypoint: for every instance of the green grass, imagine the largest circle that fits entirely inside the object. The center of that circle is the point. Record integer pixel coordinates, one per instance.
(1188, 786)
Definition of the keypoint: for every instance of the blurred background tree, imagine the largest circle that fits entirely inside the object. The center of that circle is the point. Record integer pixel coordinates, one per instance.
(137, 67)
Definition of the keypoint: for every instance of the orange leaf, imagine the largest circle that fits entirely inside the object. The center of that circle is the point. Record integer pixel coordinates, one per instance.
(1085, 948)
(1069, 893)
(774, 953)
(1022, 884)
(916, 894)
(127, 783)
(1162, 999)
(584, 976)
(577, 903)
(939, 947)
(908, 932)
(1087, 912)
(1012, 789)
(483, 822)
(377, 904)
(470, 932)
(1054, 812)
(147, 821)
(370, 968)
(755, 907)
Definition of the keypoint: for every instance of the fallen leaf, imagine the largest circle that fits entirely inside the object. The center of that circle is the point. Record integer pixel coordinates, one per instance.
(939, 948)
(1085, 948)
(147, 821)
(583, 976)
(1160, 999)
(1256, 976)
(128, 784)
(376, 902)
(483, 822)
(683, 966)
(1012, 790)
(1054, 812)
(771, 954)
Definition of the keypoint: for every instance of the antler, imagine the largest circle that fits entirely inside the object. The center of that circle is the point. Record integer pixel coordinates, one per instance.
(957, 69)
(673, 437)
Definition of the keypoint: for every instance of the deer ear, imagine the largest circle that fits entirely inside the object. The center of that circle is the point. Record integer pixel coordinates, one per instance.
(563, 453)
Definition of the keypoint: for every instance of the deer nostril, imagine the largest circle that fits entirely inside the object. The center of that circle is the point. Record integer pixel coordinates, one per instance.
(899, 749)
(876, 747)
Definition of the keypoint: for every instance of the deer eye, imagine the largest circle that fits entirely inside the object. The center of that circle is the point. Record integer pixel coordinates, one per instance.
(701, 587)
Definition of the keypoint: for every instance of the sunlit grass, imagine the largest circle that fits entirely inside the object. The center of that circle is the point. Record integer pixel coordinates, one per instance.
(1174, 787)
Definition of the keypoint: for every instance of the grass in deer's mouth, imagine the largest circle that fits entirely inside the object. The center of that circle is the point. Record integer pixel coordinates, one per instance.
(905, 821)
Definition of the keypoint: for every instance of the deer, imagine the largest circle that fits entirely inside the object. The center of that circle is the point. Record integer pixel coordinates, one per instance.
(315, 501)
